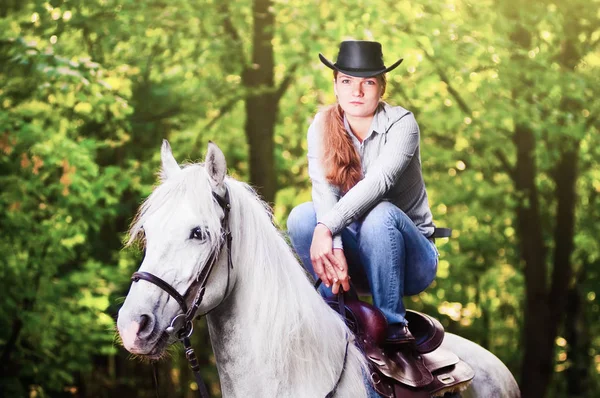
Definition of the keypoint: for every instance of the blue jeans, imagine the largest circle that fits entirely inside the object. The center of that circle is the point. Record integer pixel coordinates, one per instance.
(384, 250)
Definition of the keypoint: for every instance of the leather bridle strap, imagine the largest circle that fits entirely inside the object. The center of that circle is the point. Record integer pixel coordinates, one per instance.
(195, 366)
(185, 330)
(204, 274)
(148, 277)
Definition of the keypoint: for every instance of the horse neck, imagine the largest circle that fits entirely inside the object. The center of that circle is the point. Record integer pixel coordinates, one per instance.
(274, 333)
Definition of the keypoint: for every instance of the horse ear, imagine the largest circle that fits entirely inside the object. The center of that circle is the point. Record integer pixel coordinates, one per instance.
(216, 166)
(169, 164)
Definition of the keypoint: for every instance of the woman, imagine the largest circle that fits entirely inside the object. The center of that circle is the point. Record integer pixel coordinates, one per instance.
(370, 216)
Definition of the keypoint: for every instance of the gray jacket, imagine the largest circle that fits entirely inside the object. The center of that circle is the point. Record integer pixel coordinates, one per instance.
(391, 166)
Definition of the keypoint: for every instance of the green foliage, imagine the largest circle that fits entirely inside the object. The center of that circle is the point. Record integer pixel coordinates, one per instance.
(88, 89)
(54, 199)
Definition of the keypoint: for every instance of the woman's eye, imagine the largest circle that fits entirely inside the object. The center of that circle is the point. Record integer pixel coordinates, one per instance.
(345, 81)
(198, 234)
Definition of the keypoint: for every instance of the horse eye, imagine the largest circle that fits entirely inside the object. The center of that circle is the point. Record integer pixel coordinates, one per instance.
(198, 233)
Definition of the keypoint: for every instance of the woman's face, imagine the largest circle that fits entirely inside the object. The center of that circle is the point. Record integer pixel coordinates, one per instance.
(358, 96)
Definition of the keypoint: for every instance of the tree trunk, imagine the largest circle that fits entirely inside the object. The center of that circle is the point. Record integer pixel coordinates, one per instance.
(565, 176)
(537, 361)
(545, 307)
(262, 102)
(578, 340)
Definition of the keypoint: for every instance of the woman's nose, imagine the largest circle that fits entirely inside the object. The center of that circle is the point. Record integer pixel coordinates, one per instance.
(357, 90)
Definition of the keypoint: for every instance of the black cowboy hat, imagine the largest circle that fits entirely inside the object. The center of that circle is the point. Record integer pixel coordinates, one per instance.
(360, 59)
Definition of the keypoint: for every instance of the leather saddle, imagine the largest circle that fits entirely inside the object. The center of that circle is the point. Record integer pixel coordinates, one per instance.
(414, 369)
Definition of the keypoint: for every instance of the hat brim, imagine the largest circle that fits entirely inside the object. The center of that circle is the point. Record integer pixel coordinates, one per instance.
(359, 73)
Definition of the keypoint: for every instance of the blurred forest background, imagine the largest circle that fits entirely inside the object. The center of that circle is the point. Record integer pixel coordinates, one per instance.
(506, 95)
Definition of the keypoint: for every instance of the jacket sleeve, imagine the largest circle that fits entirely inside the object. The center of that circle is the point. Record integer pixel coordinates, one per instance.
(324, 195)
(402, 144)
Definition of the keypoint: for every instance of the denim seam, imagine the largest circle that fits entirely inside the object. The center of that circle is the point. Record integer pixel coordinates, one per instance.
(395, 278)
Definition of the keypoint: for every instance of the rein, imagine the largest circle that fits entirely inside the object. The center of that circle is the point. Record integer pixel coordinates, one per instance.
(182, 324)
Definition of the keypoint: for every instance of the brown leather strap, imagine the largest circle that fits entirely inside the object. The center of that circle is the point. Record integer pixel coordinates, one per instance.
(148, 277)
(195, 366)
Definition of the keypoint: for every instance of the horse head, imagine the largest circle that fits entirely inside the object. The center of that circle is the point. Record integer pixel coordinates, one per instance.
(183, 226)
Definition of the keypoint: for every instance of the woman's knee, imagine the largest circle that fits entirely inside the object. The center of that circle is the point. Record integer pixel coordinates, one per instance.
(302, 221)
(380, 218)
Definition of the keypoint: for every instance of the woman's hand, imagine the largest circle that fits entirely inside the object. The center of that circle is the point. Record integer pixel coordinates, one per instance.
(321, 255)
(342, 272)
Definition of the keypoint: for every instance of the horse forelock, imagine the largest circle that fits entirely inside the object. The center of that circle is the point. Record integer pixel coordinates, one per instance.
(190, 186)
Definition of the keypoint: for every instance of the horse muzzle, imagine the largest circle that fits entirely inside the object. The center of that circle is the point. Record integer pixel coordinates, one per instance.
(140, 334)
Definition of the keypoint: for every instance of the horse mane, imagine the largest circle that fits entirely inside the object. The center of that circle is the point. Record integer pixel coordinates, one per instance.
(288, 325)
(289, 318)
(180, 188)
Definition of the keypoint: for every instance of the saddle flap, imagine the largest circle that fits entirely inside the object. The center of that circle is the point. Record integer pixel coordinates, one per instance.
(439, 359)
(451, 379)
(402, 366)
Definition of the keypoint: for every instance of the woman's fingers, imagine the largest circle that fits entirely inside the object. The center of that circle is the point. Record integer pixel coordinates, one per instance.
(340, 265)
(329, 270)
(320, 253)
(335, 288)
(343, 280)
(331, 275)
(321, 267)
(335, 270)
(319, 270)
(342, 269)
(345, 284)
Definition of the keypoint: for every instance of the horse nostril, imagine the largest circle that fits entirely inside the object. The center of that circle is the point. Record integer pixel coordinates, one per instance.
(146, 325)
(143, 322)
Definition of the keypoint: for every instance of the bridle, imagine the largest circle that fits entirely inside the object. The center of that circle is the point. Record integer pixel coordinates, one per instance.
(181, 325)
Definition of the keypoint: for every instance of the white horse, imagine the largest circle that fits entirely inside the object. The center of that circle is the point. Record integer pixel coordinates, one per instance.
(271, 332)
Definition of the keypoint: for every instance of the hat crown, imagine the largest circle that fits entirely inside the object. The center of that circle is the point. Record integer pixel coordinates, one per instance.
(359, 58)
(360, 55)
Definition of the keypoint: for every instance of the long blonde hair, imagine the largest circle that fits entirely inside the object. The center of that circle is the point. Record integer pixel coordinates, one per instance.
(340, 158)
